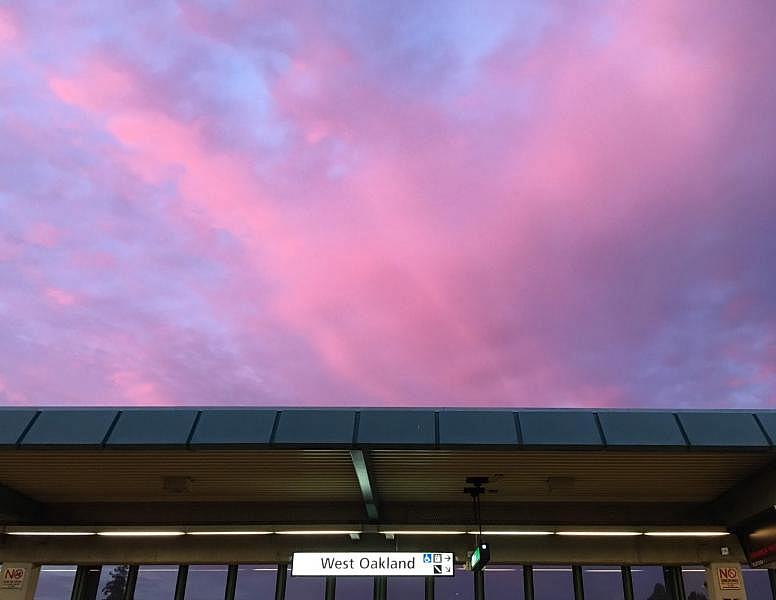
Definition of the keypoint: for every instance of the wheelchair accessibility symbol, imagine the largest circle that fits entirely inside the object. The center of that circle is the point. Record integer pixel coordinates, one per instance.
(427, 557)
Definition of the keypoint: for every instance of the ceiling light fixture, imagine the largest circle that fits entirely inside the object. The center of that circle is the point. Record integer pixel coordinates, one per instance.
(229, 532)
(423, 532)
(131, 533)
(686, 533)
(517, 532)
(318, 532)
(50, 533)
(601, 533)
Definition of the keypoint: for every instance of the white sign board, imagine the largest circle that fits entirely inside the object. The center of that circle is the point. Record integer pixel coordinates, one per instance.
(12, 578)
(372, 564)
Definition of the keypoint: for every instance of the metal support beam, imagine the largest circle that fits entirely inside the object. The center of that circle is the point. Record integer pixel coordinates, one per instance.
(331, 588)
(579, 584)
(231, 582)
(429, 588)
(753, 495)
(280, 582)
(129, 588)
(674, 582)
(528, 583)
(15, 505)
(365, 483)
(479, 585)
(180, 583)
(87, 579)
(627, 583)
(380, 588)
(772, 577)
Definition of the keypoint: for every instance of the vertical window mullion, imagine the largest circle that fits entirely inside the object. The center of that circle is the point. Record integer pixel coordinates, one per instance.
(180, 583)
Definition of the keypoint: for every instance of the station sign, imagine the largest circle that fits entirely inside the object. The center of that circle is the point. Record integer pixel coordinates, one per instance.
(373, 564)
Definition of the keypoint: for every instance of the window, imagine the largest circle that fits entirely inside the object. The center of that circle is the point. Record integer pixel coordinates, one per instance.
(649, 583)
(156, 582)
(113, 580)
(553, 583)
(55, 582)
(757, 584)
(504, 582)
(407, 588)
(694, 582)
(602, 583)
(206, 582)
(256, 582)
(355, 588)
(460, 587)
(304, 588)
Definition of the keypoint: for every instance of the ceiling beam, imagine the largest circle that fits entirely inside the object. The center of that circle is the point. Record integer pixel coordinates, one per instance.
(15, 505)
(753, 495)
(365, 483)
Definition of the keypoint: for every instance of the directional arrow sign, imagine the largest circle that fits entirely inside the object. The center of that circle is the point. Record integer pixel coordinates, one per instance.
(371, 564)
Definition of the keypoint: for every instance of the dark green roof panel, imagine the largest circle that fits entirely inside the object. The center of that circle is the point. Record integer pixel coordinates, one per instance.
(12, 424)
(70, 427)
(224, 427)
(640, 428)
(477, 427)
(397, 427)
(153, 427)
(768, 421)
(559, 428)
(722, 430)
(315, 427)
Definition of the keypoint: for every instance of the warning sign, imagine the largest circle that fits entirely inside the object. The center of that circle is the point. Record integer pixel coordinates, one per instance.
(729, 578)
(13, 578)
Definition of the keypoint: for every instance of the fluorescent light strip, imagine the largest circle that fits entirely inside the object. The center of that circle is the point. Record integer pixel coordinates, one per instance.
(51, 533)
(322, 532)
(550, 570)
(511, 532)
(229, 532)
(686, 533)
(422, 532)
(601, 533)
(140, 533)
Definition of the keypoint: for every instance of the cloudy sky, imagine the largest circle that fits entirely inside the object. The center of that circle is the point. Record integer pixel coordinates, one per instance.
(548, 203)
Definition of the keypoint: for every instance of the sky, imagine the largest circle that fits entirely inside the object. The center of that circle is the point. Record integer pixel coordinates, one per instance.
(408, 203)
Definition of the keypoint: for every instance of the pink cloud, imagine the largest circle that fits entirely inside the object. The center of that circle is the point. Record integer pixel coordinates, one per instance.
(60, 297)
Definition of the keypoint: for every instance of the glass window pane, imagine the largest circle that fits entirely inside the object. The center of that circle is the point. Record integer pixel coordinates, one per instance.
(156, 582)
(757, 584)
(355, 588)
(206, 582)
(256, 582)
(553, 583)
(602, 583)
(304, 588)
(649, 583)
(113, 580)
(694, 578)
(504, 582)
(459, 587)
(55, 582)
(406, 588)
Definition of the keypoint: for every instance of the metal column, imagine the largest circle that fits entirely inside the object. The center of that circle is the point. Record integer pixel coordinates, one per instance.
(479, 585)
(180, 583)
(380, 588)
(627, 583)
(280, 582)
(772, 577)
(429, 588)
(129, 588)
(231, 582)
(579, 586)
(528, 587)
(87, 579)
(331, 588)
(674, 582)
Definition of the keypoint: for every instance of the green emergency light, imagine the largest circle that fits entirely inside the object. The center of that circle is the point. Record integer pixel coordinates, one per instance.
(480, 557)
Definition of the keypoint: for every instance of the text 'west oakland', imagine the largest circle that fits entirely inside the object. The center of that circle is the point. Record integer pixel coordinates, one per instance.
(421, 564)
